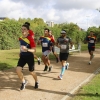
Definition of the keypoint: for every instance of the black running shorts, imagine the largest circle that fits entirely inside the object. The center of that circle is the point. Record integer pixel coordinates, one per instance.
(26, 59)
(63, 56)
(91, 49)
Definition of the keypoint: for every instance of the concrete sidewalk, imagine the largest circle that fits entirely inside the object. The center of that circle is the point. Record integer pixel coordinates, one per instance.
(50, 88)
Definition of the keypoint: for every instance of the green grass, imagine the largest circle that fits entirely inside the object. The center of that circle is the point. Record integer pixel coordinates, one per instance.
(9, 58)
(91, 91)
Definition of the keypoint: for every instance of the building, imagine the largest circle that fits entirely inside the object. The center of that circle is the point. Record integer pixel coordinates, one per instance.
(2, 18)
(50, 23)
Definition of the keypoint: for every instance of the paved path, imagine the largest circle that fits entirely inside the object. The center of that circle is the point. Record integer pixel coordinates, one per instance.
(50, 87)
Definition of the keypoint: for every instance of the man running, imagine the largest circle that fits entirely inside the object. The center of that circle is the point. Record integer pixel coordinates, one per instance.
(27, 48)
(63, 43)
(32, 34)
(91, 39)
(46, 43)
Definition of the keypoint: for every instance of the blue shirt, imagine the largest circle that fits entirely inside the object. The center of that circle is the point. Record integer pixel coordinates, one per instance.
(45, 43)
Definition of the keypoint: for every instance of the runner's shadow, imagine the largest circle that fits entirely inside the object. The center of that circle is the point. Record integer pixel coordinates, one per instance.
(48, 91)
(9, 80)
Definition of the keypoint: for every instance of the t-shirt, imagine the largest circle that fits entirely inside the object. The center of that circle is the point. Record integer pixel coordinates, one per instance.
(52, 39)
(91, 41)
(31, 33)
(46, 43)
(64, 43)
(28, 42)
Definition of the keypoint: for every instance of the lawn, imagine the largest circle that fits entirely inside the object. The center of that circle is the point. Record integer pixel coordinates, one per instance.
(9, 58)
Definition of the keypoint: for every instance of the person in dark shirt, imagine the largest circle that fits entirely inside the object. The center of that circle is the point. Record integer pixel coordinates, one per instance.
(91, 39)
(27, 49)
(63, 43)
(46, 43)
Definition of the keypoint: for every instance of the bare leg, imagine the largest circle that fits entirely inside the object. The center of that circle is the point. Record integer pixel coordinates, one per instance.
(20, 74)
(91, 56)
(34, 76)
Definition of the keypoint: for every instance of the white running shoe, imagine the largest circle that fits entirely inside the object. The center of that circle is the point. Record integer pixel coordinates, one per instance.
(60, 77)
(67, 66)
(89, 62)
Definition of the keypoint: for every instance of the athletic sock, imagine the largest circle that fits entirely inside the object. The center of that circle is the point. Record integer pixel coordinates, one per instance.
(23, 81)
(62, 70)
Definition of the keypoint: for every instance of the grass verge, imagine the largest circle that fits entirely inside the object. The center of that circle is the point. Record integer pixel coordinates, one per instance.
(90, 91)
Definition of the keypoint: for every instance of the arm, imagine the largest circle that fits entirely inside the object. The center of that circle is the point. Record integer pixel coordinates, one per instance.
(57, 44)
(71, 45)
(39, 41)
(32, 50)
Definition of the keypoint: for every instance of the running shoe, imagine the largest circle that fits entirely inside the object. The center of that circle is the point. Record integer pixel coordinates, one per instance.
(67, 66)
(60, 77)
(36, 85)
(39, 62)
(46, 68)
(23, 85)
(50, 69)
(89, 62)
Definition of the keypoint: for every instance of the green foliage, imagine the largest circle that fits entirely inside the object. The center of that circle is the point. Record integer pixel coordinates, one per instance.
(74, 32)
(10, 30)
(9, 33)
(96, 31)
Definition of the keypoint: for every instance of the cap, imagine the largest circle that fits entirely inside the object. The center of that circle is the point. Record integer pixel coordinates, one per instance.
(63, 32)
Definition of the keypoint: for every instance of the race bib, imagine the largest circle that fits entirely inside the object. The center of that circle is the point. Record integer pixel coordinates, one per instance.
(91, 41)
(63, 46)
(45, 44)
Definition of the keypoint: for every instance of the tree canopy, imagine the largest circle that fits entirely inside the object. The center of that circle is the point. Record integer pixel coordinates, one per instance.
(10, 30)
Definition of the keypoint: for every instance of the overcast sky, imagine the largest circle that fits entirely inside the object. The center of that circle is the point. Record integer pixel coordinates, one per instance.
(82, 12)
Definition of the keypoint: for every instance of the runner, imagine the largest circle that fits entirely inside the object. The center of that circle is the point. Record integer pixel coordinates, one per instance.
(53, 51)
(63, 43)
(91, 39)
(27, 48)
(32, 34)
(46, 44)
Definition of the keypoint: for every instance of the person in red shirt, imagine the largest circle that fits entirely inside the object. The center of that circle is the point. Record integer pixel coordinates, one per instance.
(53, 50)
(32, 34)
(27, 49)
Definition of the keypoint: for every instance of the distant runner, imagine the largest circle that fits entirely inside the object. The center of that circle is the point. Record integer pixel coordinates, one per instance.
(91, 39)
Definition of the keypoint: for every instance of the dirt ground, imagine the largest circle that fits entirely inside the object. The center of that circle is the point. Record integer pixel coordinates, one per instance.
(50, 88)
